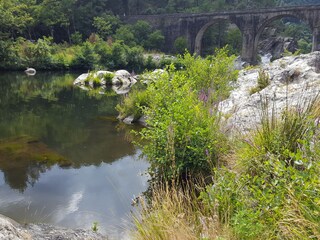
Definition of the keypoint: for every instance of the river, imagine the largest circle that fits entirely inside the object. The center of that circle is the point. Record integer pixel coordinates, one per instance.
(44, 117)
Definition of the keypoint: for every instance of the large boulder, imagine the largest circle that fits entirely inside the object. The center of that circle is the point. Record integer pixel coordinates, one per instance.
(124, 78)
(294, 81)
(81, 79)
(103, 78)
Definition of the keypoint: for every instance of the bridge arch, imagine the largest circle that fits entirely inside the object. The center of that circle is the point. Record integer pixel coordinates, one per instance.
(269, 21)
(205, 27)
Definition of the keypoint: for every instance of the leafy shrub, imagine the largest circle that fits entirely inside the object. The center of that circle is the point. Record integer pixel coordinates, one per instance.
(86, 58)
(150, 64)
(118, 55)
(304, 46)
(135, 60)
(141, 31)
(212, 75)
(180, 45)
(76, 38)
(106, 24)
(134, 104)
(183, 135)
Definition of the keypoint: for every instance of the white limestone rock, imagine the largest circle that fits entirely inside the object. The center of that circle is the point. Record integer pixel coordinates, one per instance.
(294, 80)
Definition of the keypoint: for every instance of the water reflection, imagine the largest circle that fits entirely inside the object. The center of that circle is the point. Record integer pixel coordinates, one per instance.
(44, 121)
(78, 197)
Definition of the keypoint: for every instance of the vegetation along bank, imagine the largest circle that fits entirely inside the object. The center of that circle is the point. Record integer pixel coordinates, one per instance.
(231, 158)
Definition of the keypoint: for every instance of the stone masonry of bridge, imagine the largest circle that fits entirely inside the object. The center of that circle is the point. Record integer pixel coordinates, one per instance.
(250, 22)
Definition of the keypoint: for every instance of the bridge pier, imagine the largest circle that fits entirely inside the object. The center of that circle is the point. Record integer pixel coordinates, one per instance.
(316, 39)
(249, 46)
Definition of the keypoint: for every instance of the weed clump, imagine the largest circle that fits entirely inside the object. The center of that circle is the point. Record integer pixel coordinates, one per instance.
(263, 82)
(108, 78)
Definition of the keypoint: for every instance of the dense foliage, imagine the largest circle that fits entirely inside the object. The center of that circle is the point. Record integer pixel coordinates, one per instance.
(266, 185)
(183, 134)
(59, 19)
(32, 29)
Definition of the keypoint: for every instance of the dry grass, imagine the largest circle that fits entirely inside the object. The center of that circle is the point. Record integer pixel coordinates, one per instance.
(178, 215)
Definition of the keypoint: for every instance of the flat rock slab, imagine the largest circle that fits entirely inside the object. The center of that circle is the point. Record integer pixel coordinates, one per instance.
(48, 232)
(11, 230)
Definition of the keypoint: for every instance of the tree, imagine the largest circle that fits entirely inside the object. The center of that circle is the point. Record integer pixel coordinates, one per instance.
(15, 17)
(141, 31)
(155, 40)
(106, 25)
(125, 34)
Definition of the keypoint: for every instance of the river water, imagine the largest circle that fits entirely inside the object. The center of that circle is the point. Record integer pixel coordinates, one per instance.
(43, 117)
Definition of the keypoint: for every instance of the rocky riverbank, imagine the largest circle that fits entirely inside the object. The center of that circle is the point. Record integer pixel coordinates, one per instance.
(293, 82)
(11, 230)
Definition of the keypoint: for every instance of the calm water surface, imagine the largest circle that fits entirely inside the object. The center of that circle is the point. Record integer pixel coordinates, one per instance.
(104, 171)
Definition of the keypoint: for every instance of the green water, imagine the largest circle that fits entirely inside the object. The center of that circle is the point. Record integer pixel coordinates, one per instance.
(101, 171)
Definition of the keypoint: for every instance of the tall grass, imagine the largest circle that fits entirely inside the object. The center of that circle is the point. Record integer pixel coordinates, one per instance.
(279, 176)
(287, 137)
(174, 213)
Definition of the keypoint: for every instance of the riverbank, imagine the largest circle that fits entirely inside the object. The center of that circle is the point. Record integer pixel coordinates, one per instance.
(232, 159)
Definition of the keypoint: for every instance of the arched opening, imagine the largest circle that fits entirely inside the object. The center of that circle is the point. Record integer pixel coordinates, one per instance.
(217, 34)
(283, 35)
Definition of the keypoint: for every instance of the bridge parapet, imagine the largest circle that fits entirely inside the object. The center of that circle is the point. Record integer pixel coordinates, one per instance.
(250, 22)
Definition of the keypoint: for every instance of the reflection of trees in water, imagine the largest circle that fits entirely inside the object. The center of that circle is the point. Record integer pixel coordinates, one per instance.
(105, 143)
(23, 175)
(22, 159)
(62, 119)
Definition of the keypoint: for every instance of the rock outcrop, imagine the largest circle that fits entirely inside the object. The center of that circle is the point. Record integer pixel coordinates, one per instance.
(122, 80)
(276, 46)
(11, 230)
(294, 82)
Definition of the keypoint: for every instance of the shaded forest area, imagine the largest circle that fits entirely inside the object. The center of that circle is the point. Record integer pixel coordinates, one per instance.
(59, 19)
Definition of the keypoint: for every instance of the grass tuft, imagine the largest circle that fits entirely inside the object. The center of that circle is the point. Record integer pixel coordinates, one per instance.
(173, 213)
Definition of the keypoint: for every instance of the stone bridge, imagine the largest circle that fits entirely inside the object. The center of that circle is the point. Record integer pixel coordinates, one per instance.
(250, 22)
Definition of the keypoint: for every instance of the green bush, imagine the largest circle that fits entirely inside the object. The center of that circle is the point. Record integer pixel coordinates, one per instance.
(76, 38)
(86, 58)
(141, 31)
(180, 45)
(135, 60)
(150, 64)
(183, 135)
(134, 104)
